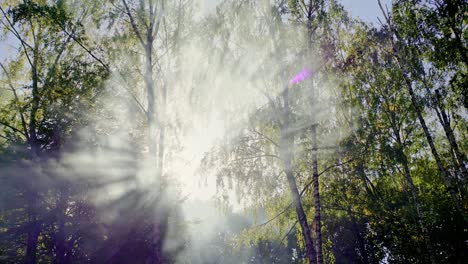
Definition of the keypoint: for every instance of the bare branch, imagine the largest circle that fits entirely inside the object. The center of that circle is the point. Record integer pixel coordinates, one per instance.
(385, 14)
(134, 25)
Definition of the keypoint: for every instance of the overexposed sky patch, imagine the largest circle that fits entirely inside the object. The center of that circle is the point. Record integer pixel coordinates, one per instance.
(367, 10)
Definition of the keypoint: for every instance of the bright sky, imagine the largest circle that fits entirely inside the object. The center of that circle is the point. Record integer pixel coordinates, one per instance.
(367, 10)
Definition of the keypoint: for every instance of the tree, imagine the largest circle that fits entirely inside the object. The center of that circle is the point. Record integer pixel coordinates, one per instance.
(40, 129)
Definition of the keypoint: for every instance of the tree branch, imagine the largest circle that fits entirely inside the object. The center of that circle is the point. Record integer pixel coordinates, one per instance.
(134, 25)
(275, 251)
(7, 138)
(18, 36)
(276, 216)
(325, 170)
(12, 128)
(100, 61)
(264, 136)
(10, 83)
(302, 192)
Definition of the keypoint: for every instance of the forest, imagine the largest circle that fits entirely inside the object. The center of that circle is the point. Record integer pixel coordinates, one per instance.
(233, 131)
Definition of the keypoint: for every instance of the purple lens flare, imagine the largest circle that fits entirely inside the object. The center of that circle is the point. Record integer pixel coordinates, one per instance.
(304, 74)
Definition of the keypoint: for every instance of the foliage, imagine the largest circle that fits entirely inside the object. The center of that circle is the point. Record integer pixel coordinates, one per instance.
(386, 106)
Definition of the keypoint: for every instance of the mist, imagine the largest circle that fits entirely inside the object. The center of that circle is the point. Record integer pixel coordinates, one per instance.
(219, 131)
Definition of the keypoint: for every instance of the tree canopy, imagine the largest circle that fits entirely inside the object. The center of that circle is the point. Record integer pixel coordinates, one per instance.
(313, 136)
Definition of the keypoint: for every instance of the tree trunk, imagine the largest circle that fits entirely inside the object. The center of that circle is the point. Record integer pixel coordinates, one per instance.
(34, 229)
(315, 180)
(34, 226)
(430, 141)
(461, 159)
(31, 246)
(151, 100)
(162, 130)
(449, 183)
(157, 240)
(317, 219)
(287, 141)
(418, 110)
(362, 244)
(61, 244)
(415, 196)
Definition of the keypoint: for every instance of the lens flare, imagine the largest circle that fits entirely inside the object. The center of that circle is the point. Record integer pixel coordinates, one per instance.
(304, 74)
